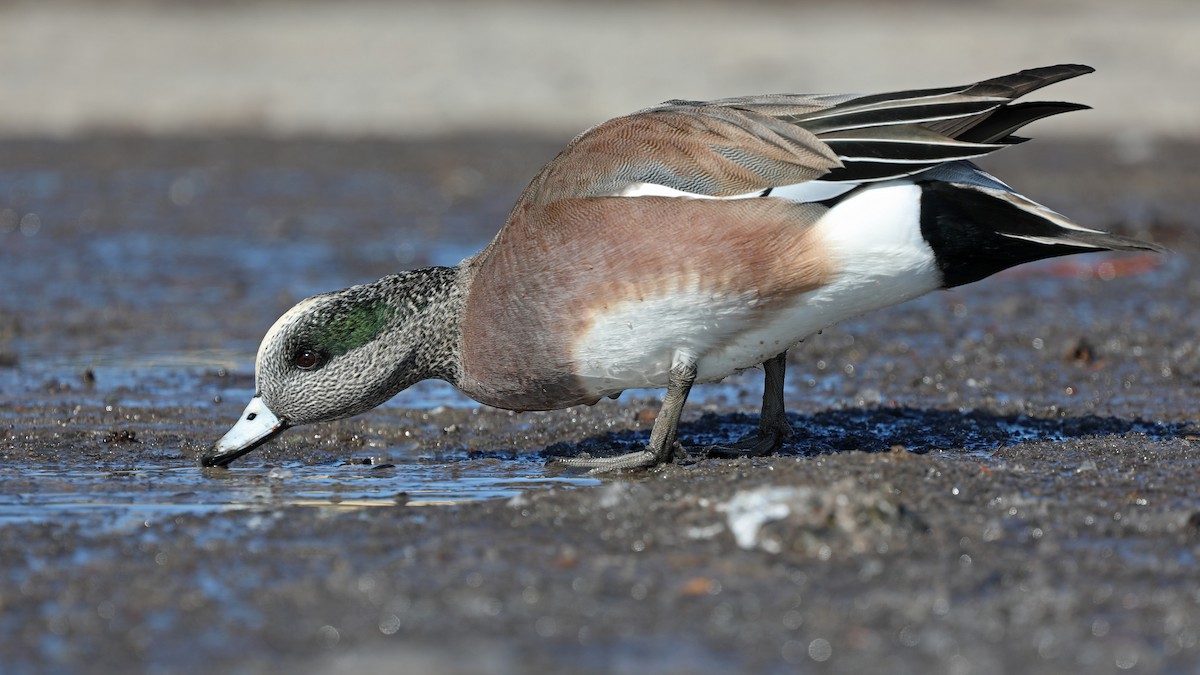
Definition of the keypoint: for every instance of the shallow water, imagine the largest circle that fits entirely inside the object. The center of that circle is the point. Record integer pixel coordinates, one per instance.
(144, 493)
(125, 493)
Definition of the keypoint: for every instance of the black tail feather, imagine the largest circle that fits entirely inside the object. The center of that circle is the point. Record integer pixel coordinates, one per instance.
(1018, 84)
(975, 234)
(1011, 117)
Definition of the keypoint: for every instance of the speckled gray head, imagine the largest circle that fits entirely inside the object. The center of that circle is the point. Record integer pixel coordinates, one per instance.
(339, 354)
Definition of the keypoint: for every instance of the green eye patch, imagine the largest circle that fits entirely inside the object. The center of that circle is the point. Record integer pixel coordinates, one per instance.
(351, 326)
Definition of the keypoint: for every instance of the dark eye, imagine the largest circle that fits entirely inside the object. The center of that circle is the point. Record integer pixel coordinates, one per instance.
(306, 359)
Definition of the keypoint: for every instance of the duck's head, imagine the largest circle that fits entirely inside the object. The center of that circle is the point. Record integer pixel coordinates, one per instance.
(336, 355)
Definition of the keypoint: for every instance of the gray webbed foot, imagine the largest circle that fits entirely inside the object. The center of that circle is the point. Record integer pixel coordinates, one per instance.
(642, 459)
(662, 446)
(766, 441)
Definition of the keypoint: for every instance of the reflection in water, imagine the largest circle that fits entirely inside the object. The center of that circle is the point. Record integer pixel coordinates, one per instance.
(129, 498)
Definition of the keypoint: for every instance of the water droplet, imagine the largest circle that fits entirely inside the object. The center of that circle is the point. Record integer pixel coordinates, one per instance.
(820, 650)
(389, 625)
(329, 635)
(31, 223)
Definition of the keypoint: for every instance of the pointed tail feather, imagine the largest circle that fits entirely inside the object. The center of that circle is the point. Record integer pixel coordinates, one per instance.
(998, 126)
(1020, 83)
(977, 230)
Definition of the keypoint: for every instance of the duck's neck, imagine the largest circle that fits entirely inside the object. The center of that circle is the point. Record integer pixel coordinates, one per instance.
(431, 301)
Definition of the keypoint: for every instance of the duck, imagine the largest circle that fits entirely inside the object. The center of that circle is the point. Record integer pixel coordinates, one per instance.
(678, 245)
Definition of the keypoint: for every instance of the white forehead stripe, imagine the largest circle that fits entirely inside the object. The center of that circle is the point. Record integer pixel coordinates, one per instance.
(288, 317)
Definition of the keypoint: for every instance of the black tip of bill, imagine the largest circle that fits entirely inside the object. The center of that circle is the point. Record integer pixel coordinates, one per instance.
(256, 426)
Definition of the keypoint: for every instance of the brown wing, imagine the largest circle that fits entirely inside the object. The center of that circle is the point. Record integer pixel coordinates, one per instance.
(707, 149)
(738, 146)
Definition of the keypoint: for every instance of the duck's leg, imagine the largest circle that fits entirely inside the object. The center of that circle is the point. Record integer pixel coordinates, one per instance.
(662, 436)
(773, 426)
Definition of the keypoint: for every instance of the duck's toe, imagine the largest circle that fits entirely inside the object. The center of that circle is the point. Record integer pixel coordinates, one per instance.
(641, 459)
(767, 440)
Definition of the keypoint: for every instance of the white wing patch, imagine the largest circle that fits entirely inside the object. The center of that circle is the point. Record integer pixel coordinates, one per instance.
(656, 190)
(812, 191)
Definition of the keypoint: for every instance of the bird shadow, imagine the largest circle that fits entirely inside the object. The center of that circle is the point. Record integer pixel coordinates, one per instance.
(918, 430)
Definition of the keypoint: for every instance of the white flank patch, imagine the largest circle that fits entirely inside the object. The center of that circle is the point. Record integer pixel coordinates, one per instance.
(874, 238)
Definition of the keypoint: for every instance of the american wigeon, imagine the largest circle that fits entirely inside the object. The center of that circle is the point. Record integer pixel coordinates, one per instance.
(681, 244)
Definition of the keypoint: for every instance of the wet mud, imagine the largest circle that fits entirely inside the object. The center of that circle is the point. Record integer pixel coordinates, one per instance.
(996, 479)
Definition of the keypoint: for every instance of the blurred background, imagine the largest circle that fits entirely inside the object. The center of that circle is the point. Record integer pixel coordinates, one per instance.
(428, 68)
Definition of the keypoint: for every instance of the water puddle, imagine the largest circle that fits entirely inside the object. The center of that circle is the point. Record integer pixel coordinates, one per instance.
(126, 495)
(130, 497)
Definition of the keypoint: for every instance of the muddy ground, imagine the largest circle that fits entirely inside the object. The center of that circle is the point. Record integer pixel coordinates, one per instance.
(997, 479)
